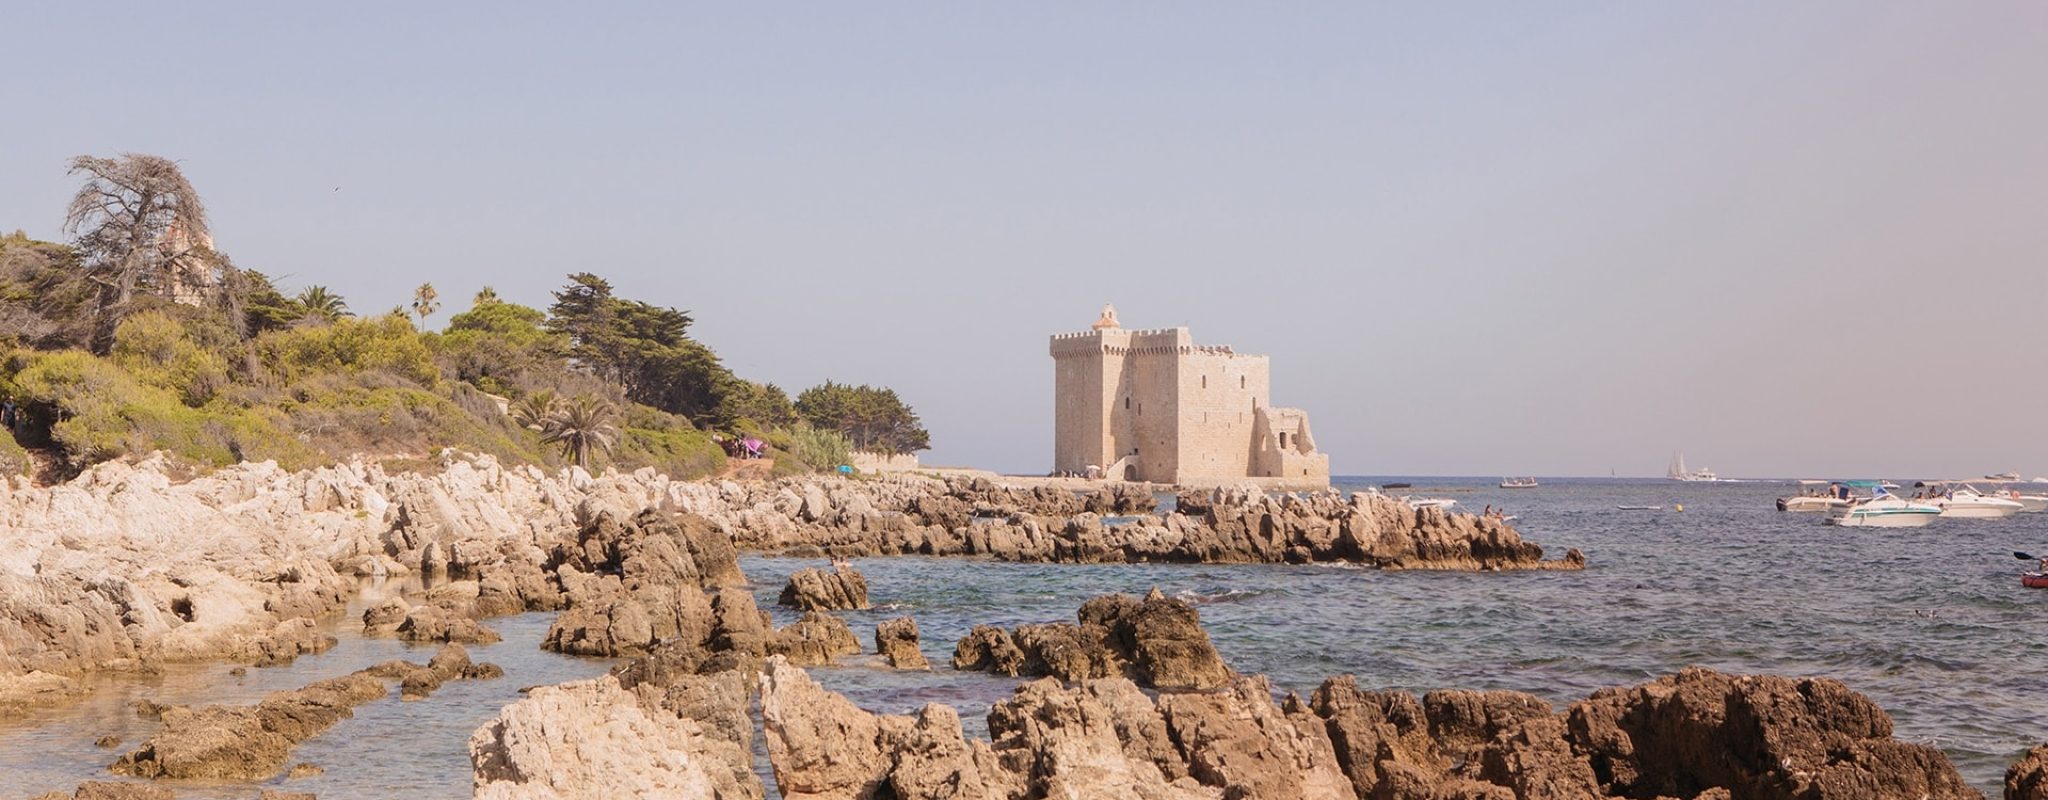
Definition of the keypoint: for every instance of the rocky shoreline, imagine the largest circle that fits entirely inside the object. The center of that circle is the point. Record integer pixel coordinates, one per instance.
(124, 569)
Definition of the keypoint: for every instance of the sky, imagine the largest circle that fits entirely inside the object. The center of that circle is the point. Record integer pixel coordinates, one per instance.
(1785, 239)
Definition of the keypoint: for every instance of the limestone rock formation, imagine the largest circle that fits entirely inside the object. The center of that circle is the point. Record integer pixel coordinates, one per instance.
(1157, 642)
(252, 742)
(594, 739)
(823, 747)
(123, 567)
(629, 585)
(246, 742)
(896, 640)
(813, 589)
(1803, 737)
(816, 639)
(2027, 778)
(109, 790)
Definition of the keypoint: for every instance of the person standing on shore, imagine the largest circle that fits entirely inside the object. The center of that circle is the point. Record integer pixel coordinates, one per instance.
(10, 414)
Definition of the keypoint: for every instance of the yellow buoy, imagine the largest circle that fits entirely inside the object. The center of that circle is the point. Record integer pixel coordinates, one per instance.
(1680, 506)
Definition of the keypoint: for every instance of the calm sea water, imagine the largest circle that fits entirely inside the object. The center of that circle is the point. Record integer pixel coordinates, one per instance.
(1931, 623)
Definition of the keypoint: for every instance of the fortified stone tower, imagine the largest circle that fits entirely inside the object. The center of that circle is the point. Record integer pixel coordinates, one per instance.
(1152, 405)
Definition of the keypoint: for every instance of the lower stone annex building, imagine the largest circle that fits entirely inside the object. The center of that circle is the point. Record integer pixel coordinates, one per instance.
(1151, 405)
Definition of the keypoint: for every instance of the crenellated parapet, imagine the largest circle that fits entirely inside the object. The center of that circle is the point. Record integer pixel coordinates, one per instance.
(1151, 404)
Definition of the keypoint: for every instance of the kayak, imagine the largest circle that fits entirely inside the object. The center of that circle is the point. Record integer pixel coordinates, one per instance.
(2034, 580)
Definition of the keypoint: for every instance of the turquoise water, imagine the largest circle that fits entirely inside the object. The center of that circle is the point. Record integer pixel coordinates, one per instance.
(1931, 623)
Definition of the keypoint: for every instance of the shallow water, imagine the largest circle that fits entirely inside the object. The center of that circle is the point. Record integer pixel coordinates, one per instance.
(1930, 623)
(391, 748)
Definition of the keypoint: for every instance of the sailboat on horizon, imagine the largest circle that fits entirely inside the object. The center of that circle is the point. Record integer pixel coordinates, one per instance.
(1678, 472)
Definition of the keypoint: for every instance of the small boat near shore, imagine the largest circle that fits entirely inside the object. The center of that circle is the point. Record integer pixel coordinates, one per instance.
(1419, 503)
(2034, 580)
(1518, 483)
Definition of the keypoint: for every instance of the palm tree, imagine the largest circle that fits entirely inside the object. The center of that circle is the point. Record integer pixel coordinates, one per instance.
(425, 301)
(325, 303)
(582, 425)
(535, 410)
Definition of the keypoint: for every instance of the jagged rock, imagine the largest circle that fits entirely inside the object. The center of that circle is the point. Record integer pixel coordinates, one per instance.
(434, 623)
(1158, 642)
(1239, 740)
(110, 790)
(305, 769)
(2027, 778)
(821, 745)
(123, 567)
(595, 739)
(815, 639)
(246, 742)
(291, 639)
(813, 589)
(273, 794)
(1056, 742)
(1161, 638)
(1803, 737)
(896, 640)
(989, 648)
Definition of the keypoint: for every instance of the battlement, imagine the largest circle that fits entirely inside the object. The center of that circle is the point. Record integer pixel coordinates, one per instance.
(1151, 404)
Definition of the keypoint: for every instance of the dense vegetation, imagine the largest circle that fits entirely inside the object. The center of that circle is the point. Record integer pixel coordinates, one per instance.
(139, 336)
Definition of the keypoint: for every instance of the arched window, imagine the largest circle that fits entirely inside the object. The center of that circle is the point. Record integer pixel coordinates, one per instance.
(1240, 381)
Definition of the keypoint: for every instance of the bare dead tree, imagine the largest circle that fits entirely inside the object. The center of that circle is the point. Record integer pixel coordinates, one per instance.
(140, 227)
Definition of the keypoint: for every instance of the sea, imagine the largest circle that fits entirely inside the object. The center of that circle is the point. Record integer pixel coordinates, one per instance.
(1930, 623)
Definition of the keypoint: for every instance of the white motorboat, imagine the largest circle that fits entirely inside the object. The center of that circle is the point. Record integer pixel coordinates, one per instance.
(2004, 477)
(1968, 503)
(1419, 503)
(2028, 502)
(1518, 483)
(1887, 511)
(1813, 497)
(1678, 472)
(1813, 502)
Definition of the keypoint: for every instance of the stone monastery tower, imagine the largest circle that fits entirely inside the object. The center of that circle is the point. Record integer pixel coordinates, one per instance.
(1153, 406)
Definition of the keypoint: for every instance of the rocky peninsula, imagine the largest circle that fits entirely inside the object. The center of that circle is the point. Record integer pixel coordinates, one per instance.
(126, 569)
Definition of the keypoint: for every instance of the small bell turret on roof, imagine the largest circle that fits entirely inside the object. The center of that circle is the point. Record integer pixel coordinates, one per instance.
(1107, 321)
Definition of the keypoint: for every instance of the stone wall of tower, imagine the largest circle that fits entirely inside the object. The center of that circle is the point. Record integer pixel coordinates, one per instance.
(1153, 406)
(1088, 376)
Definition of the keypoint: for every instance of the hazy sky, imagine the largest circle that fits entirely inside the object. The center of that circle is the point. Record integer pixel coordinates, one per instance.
(1789, 239)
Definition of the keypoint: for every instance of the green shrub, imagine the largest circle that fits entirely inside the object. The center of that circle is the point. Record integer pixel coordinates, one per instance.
(820, 448)
(104, 413)
(349, 346)
(159, 351)
(680, 453)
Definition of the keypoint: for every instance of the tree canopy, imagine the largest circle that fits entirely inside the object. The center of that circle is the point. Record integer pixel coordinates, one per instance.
(644, 348)
(875, 419)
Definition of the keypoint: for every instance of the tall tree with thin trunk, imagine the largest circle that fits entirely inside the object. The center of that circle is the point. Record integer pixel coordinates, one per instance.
(425, 301)
(140, 227)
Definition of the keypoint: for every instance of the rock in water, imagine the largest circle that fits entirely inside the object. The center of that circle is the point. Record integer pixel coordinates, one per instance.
(896, 640)
(2027, 779)
(813, 589)
(816, 639)
(593, 739)
(1799, 737)
(1157, 642)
